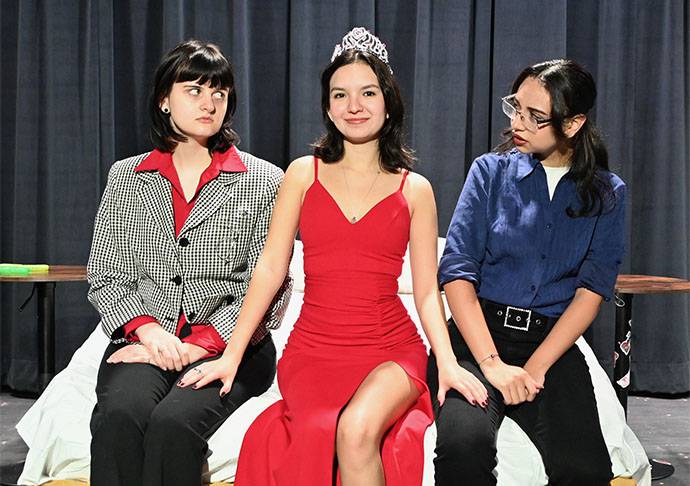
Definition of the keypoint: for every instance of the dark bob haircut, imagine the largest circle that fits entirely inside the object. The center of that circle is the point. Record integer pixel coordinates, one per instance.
(394, 153)
(572, 91)
(191, 60)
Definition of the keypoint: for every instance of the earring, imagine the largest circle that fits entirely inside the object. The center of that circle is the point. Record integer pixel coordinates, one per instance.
(387, 116)
(166, 110)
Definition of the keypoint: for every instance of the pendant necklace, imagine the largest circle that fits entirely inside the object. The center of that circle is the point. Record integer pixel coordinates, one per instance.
(353, 219)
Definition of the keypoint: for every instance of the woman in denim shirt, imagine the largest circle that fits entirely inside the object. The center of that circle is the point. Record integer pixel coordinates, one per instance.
(533, 248)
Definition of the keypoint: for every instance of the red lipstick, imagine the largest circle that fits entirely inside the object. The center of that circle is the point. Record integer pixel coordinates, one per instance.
(518, 140)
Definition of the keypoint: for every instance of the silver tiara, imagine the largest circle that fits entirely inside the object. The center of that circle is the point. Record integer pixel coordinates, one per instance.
(360, 39)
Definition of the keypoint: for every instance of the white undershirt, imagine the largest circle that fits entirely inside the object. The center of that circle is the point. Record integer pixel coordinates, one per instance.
(553, 175)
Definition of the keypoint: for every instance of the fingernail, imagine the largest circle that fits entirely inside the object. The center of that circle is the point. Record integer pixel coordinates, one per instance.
(194, 386)
(179, 383)
(223, 393)
(473, 402)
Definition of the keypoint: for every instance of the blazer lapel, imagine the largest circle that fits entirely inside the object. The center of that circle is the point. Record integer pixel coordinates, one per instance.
(214, 195)
(155, 194)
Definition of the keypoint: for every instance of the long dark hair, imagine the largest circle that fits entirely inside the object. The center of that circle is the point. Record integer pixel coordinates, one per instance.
(190, 61)
(573, 91)
(394, 152)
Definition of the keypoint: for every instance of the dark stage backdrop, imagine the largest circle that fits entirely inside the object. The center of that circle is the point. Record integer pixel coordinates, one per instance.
(75, 77)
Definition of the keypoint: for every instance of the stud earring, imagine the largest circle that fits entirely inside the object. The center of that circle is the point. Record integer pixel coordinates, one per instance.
(166, 110)
(387, 116)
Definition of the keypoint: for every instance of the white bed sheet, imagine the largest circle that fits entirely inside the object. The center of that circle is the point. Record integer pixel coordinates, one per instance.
(56, 427)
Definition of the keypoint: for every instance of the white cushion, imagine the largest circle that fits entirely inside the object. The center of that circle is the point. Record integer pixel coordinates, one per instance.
(297, 267)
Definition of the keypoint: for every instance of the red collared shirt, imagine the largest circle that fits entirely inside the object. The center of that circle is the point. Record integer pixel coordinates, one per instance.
(229, 161)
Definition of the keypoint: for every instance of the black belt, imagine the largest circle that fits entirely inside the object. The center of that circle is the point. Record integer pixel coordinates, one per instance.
(515, 317)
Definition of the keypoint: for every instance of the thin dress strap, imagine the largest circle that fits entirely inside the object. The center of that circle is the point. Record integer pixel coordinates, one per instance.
(402, 183)
(316, 168)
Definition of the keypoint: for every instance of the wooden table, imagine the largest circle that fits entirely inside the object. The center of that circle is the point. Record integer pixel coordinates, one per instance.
(626, 287)
(45, 286)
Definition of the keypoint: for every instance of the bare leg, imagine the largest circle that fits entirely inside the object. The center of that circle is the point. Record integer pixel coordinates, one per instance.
(382, 398)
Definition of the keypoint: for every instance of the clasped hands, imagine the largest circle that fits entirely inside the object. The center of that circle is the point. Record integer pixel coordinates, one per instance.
(516, 384)
(165, 350)
(159, 348)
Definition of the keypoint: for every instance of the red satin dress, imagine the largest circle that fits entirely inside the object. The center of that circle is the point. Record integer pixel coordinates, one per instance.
(352, 320)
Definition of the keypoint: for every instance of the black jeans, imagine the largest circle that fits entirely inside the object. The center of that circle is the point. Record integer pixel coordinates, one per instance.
(148, 431)
(562, 421)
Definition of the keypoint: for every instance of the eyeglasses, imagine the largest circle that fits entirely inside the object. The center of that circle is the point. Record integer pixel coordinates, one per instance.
(531, 122)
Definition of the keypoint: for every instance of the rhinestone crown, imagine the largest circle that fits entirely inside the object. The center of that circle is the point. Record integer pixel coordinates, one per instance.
(360, 39)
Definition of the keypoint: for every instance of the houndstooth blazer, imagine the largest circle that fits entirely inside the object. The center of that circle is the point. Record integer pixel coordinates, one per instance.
(138, 267)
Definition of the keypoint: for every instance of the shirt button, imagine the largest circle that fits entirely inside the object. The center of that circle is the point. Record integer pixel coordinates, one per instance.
(543, 257)
(177, 280)
(191, 316)
(183, 242)
(533, 288)
(230, 299)
(548, 226)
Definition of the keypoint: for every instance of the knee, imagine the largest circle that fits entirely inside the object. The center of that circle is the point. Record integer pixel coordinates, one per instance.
(459, 436)
(118, 420)
(355, 434)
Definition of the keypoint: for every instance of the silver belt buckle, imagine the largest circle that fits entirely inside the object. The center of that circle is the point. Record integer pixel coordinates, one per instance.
(519, 315)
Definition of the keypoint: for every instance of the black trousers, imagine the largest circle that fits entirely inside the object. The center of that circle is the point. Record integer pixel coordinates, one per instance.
(562, 421)
(148, 431)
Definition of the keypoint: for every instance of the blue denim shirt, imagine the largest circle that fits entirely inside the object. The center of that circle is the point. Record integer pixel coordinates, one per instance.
(520, 248)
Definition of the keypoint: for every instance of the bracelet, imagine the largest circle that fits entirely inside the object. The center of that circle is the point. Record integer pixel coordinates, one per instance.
(491, 356)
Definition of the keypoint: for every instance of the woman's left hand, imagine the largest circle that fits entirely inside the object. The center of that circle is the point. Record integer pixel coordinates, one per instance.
(538, 375)
(452, 375)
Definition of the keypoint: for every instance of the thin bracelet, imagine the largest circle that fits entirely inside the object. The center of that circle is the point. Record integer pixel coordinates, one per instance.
(491, 356)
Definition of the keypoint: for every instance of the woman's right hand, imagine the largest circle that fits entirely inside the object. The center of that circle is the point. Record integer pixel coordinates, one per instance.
(166, 349)
(132, 353)
(223, 369)
(514, 383)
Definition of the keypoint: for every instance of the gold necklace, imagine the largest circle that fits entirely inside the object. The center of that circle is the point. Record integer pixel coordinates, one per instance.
(353, 219)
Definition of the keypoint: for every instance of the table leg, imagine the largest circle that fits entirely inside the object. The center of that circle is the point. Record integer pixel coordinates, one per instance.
(46, 329)
(623, 345)
(621, 370)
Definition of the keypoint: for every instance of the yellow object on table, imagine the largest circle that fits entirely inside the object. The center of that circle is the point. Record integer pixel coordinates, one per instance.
(18, 269)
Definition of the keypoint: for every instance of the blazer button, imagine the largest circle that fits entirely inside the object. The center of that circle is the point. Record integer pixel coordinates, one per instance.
(230, 299)
(177, 280)
(183, 242)
(191, 316)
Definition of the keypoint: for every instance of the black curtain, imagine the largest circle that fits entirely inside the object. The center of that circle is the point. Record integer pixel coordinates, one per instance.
(76, 73)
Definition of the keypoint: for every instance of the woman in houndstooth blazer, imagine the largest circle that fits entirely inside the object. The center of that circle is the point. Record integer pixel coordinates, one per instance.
(177, 235)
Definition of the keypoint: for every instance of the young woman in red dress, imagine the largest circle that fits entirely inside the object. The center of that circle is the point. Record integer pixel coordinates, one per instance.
(355, 403)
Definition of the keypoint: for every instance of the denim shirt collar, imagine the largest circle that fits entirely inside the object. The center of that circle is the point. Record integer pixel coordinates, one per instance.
(526, 163)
